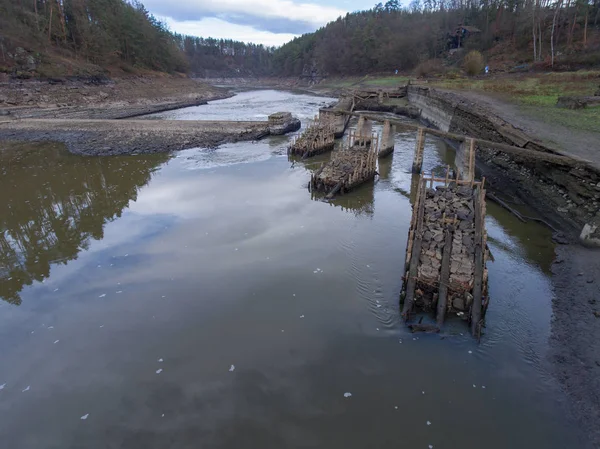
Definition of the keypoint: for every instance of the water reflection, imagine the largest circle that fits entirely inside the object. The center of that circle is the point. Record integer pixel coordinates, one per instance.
(54, 203)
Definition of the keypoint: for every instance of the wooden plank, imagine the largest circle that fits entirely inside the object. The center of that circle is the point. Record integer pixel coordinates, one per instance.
(416, 254)
(478, 278)
(444, 277)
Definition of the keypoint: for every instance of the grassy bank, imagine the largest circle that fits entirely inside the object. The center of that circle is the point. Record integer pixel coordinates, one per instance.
(537, 94)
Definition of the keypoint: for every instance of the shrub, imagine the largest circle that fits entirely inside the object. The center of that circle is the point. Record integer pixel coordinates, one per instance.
(429, 67)
(473, 63)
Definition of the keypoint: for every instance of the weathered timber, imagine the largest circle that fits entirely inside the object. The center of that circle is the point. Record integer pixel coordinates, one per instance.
(509, 149)
(337, 115)
(444, 276)
(479, 264)
(348, 167)
(411, 280)
(318, 138)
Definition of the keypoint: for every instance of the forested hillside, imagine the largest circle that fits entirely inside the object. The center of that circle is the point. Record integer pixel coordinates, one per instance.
(35, 34)
(388, 38)
(49, 38)
(216, 58)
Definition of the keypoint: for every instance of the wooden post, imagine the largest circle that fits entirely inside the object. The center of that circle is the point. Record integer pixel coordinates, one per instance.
(444, 277)
(411, 282)
(478, 277)
(420, 146)
(471, 161)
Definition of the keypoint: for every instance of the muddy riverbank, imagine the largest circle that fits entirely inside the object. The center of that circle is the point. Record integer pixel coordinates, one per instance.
(103, 98)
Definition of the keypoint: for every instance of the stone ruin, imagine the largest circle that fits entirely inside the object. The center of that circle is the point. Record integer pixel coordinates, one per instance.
(442, 281)
(448, 206)
(347, 168)
(282, 123)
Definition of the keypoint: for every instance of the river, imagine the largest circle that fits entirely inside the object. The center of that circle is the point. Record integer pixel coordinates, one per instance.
(204, 300)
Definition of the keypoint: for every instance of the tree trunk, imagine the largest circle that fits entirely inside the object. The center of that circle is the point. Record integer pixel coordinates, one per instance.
(570, 39)
(50, 24)
(558, 4)
(533, 29)
(587, 9)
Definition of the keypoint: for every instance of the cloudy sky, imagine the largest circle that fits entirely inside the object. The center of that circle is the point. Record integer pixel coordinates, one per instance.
(268, 22)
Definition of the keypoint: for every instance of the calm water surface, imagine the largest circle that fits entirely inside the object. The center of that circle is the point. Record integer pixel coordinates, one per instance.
(204, 300)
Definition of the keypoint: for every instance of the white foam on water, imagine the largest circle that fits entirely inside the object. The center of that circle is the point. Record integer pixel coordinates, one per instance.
(84, 417)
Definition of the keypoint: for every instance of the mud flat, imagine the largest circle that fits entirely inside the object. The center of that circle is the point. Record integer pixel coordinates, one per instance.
(113, 137)
(102, 98)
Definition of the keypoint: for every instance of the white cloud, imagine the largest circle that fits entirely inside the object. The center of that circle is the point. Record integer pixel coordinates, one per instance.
(273, 15)
(219, 29)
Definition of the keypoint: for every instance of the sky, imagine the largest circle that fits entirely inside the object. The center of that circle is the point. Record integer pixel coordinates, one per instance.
(267, 22)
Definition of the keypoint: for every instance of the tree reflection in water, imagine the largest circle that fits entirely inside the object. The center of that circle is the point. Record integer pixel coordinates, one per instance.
(53, 203)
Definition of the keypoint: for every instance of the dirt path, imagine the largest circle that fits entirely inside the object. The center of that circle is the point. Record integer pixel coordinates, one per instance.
(583, 144)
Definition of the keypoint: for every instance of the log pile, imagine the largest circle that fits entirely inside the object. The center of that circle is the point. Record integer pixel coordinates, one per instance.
(347, 168)
(318, 138)
(446, 256)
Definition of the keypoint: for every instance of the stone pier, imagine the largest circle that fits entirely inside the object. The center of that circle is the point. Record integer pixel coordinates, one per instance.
(388, 139)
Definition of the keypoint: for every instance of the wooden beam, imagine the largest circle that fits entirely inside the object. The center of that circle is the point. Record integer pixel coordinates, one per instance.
(411, 282)
(444, 277)
(509, 149)
(478, 277)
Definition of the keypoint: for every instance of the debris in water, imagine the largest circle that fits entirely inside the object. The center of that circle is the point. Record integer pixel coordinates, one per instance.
(101, 326)
(50, 327)
(474, 386)
(347, 395)
(232, 368)
(2, 386)
(301, 316)
(163, 415)
(378, 306)
(483, 386)
(399, 341)
(56, 341)
(84, 417)
(377, 328)
(120, 291)
(126, 255)
(428, 423)
(423, 392)
(368, 266)
(102, 295)
(293, 294)
(158, 371)
(396, 407)
(470, 352)
(431, 446)
(27, 389)
(282, 330)
(160, 360)
(55, 289)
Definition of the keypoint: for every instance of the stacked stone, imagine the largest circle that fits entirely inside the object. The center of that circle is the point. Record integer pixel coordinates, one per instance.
(316, 139)
(350, 166)
(447, 206)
